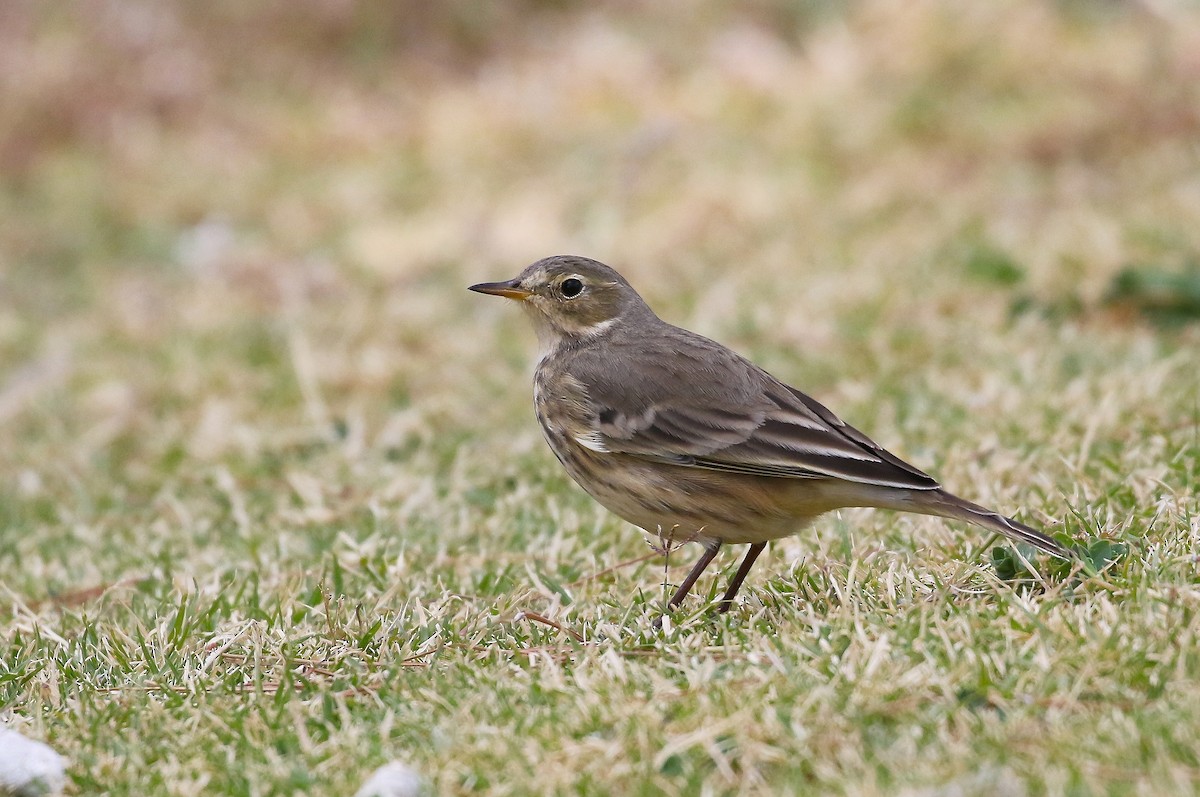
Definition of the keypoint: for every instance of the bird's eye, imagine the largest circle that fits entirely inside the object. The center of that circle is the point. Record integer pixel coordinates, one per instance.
(571, 287)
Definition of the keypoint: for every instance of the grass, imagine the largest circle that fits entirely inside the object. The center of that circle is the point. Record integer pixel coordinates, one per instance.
(274, 509)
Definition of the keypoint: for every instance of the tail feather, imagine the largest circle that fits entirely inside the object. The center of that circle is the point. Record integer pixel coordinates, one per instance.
(944, 504)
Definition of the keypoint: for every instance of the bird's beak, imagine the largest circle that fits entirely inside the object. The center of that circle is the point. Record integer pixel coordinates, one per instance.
(509, 289)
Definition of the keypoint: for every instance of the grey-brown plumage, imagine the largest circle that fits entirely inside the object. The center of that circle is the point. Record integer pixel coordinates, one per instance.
(688, 440)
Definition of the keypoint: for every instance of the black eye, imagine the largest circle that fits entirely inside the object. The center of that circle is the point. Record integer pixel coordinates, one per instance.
(571, 287)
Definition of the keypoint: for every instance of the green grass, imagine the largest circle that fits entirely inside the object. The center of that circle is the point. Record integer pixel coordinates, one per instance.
(274, 509)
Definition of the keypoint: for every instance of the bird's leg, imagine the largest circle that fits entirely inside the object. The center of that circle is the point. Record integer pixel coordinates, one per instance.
(740, 576)
(705, 560)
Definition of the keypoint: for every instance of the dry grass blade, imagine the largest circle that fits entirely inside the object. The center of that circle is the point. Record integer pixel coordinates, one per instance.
(618, 566)
(534, 617)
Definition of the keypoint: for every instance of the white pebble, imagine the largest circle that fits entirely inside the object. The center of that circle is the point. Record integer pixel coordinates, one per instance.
(28, 768)
(394, 780)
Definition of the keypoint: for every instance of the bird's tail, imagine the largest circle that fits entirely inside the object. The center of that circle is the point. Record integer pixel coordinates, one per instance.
(943, 504)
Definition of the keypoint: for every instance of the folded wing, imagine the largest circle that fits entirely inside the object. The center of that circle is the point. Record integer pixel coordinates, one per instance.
(733, 417)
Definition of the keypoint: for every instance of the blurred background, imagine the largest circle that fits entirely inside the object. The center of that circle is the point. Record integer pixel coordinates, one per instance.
(233, 233)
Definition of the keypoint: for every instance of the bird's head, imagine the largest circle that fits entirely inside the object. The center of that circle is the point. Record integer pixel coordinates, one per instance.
(570, 298)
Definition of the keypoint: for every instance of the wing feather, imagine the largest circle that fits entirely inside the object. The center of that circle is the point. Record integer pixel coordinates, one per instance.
(729, 416)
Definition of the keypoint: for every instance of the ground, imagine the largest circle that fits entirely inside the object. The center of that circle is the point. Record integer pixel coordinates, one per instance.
(274, 509)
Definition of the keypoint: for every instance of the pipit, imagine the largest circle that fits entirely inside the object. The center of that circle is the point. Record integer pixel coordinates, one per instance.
(690, 441)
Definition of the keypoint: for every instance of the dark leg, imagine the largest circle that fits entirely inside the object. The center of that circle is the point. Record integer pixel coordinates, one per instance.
(705, 560)
(740, 576)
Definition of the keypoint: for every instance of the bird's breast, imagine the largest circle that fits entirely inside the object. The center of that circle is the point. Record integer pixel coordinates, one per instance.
(561, 405)
(672, 501)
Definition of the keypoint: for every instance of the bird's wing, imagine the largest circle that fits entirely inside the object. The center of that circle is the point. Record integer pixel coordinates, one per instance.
(709, 408)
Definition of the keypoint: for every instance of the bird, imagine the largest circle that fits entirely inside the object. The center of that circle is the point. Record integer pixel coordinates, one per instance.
(690, 441)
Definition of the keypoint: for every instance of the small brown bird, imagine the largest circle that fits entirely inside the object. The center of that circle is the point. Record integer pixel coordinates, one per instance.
(690, 441)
